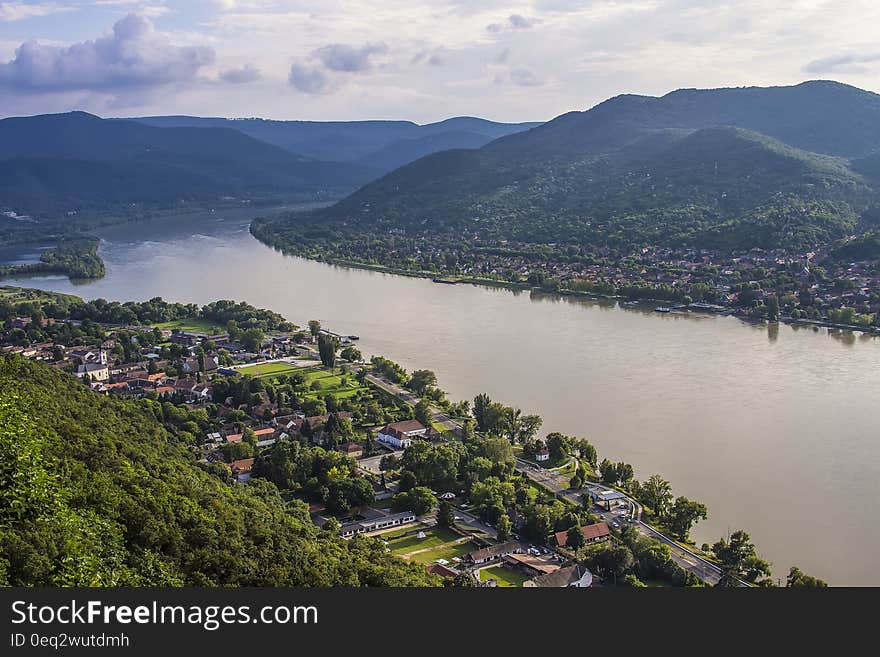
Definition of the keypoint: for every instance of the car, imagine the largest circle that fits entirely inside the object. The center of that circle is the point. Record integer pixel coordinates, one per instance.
(545, 550)
(456, 517)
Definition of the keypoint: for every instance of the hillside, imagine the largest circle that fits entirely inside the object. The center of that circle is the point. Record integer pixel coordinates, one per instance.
(726, 168)
(97, 491)
(377, 145)
(59, 163)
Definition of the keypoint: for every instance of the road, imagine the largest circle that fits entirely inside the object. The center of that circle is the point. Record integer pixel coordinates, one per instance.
(706, 571)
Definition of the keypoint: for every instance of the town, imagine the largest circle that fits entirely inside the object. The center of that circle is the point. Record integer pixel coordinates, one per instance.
(469, 491)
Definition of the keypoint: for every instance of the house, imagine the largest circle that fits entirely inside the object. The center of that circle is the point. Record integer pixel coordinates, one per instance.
(440, 569)
(201, 391)
(575, 576)
(534, 566)
(363, 526)
(96, 371)
(352, 449)
(487, 554)
(542, 455)
(592, 534)
(401, 434)
(241, 469)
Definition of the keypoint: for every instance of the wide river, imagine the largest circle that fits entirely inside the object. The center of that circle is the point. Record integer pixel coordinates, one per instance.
(776, 429)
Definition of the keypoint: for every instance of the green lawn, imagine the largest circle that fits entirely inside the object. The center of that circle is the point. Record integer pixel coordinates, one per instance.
(331, 381)
(193, 324)
(504, 576)
(262, 370)
(434, 537)
(397, 533)
(444, 552)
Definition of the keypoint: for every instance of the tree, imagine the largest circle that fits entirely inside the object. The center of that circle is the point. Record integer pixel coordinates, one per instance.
(252, 339)
(463, 580)
(740, 558)
(799, 579)
(559, 445)
(351, 354)
(445, 514)
(683, 515)
(314, 327)
(613, 561)
(656, 494)
(422, 412)
(420, 500)
(388, 462)
(327, 346)
(772, 304)
(574, 539)
(407, 481)
(608, 472)
(504, 527)
(332, 525)
(587, 451)
(421, 380)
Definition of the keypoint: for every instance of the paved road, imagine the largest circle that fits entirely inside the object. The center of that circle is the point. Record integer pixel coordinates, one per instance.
(405, 395)
(691, 562)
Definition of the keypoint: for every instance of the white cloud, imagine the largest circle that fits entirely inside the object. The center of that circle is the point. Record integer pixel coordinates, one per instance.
(132, 57)
(16, 11)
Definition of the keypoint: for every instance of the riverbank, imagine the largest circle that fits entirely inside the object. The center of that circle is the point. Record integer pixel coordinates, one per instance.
(526, 287)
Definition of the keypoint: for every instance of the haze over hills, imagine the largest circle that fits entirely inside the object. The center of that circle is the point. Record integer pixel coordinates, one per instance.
(380, 145)
(720, 168)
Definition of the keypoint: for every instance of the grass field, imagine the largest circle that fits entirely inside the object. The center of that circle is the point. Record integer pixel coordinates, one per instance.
(193, 324)
(331, 381)
(444, 552)
(434, 537)
(262, 370)
(504, 576)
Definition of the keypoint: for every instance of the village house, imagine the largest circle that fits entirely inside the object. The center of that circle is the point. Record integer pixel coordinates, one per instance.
(576, 576)
(241, 469)
(542, 454)
(401, 434)
(487, 554)
(592, 534)
(351, 449)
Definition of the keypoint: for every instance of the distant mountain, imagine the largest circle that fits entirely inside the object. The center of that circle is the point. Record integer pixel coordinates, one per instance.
(729, 168)
(379, 145)
(63, 162)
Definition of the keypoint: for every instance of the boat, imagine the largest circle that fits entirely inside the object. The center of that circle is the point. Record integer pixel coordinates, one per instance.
(443, 280)
(662, 309)
(354, 337)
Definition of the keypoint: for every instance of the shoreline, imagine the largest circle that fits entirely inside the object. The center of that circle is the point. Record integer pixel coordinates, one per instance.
(522, 287)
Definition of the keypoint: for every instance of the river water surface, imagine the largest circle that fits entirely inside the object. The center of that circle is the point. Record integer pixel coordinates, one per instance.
(776, 429)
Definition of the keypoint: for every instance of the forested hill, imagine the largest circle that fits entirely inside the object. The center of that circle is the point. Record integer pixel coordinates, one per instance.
(722, 168)
(57, 164)
(96, 491)
(380, 146)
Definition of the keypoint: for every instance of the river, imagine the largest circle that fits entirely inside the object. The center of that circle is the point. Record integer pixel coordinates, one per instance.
(775, 429)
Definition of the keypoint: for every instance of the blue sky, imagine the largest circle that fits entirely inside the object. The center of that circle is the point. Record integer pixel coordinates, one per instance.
(415, 59)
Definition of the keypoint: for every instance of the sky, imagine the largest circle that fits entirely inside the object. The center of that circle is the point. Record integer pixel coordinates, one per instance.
(414, 59)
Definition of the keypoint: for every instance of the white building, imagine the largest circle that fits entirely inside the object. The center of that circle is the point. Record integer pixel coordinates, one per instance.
(401, 434)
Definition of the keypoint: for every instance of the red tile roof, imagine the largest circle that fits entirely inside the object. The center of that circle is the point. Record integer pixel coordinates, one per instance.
(591, 533)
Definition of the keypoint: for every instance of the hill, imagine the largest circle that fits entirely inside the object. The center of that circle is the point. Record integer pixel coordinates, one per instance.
(97, 491)
(60, 163)
(377, 145)
(723, 168)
